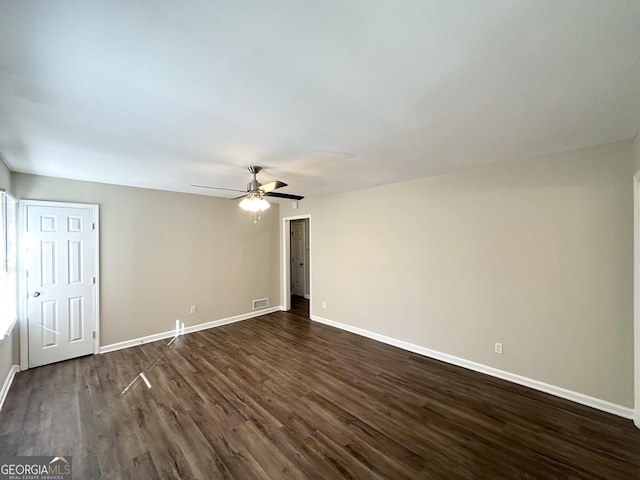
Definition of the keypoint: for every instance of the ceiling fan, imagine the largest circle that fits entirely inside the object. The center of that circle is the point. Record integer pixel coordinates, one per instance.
(253, 198)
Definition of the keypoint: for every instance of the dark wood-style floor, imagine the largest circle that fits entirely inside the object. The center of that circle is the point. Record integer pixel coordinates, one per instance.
(280, 396)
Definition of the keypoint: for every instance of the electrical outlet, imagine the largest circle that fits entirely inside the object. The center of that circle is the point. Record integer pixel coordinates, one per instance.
(193, 309)
(498, 348)
(324, 304)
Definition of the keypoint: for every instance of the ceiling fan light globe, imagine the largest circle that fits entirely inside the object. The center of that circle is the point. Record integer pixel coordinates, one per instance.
(245, 204)
(254, 204)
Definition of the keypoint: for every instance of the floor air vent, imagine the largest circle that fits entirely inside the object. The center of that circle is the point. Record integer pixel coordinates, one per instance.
(260, 303)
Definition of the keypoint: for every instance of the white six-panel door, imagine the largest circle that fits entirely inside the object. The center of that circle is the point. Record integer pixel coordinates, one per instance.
(61, 288)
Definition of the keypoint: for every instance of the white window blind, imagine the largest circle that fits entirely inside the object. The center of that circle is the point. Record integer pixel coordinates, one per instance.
(8, 267)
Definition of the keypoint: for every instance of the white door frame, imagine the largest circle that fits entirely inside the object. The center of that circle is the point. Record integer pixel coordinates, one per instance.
(636, 296)
(286, 264)
(304, 254)
(22, 268)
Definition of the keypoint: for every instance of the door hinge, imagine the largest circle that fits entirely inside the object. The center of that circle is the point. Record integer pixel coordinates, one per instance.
(93, 280)
(94, 335)
(93, 226)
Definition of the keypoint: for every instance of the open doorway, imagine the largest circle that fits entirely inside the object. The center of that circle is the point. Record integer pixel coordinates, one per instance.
(297, 264)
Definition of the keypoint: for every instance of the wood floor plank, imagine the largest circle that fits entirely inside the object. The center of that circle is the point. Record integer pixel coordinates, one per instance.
(339, 459)
(292, 445)
(233, 453)
(13, 424)
(279, 396)
(394, 461)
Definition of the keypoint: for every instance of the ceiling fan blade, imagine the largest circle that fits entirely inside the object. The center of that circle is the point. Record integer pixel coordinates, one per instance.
(238, 198)
(283, 195)
(269, 187)
(218, 188)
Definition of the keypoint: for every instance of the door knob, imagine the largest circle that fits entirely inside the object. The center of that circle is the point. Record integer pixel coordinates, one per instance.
(36, 294)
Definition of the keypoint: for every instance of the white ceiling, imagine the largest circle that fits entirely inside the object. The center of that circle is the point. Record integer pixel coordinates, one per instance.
(327, 95)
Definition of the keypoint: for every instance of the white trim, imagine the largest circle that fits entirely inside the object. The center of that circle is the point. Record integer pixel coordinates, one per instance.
(96, 274)
(286, 266)
(22, 288)
(9, 330)
(195, 328)
(636, 295)
(7, 383)
(478, 367)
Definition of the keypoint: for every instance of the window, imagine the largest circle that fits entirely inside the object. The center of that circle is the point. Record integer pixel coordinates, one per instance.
(8, 261)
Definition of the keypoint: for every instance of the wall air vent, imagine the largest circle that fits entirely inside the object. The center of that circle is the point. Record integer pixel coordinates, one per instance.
(260, 303)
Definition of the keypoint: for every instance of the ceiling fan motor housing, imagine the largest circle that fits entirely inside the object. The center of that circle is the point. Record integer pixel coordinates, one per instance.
(254, 185)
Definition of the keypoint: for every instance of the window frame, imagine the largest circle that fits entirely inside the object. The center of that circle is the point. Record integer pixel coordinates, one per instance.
(8, 263)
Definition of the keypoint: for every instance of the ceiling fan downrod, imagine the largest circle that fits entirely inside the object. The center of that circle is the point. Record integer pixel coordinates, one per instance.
(254, 185)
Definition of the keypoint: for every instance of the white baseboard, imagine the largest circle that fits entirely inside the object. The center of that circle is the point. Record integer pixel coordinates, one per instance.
(194, 328)
(7, 383)
(581, 398)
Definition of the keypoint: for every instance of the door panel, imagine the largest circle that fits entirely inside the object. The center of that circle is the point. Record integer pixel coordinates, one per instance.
(76, 320)
(75, 262)
(61, 307)
(49, 323)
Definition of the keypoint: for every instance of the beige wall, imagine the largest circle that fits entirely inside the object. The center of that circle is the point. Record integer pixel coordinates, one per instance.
(162, 252)
(534, 254)
(8, 356)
